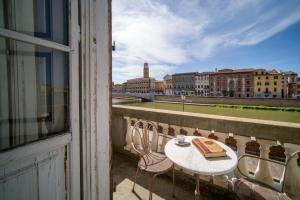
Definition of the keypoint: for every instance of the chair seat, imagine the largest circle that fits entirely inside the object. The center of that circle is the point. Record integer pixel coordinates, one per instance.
(155, 163)
(245, 188)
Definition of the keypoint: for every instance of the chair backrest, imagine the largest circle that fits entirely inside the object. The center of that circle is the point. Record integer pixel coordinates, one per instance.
(284, 164)
(142, 136)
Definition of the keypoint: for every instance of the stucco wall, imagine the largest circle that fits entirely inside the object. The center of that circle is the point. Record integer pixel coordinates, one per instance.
(234, 101)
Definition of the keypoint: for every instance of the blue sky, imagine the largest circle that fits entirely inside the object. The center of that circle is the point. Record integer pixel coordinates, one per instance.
(197, 35)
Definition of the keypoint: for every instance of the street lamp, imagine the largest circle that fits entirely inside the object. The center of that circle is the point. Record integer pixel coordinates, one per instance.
(183, 99)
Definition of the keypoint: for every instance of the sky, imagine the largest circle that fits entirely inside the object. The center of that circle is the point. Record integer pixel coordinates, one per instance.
(176, 36)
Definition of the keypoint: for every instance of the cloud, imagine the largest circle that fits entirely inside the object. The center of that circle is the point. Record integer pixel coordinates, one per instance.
(169, 33)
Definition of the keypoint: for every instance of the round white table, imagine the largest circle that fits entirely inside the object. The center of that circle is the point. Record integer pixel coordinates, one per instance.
(191, 159)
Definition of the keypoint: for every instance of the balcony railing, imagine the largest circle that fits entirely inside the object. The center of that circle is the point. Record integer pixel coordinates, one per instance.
(267, 139)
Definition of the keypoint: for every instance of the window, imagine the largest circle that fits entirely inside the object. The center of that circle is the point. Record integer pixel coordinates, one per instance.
(34, 80)
(258, 78)
(266, 83)
(275, 77)
(275, 89)
(258, 89)
(275, 82)
(267, 77)
(43, 18)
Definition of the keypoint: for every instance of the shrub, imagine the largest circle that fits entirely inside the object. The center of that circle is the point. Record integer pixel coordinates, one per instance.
(289, 109)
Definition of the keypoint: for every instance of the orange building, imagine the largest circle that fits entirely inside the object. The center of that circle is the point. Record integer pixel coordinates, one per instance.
(294, 89)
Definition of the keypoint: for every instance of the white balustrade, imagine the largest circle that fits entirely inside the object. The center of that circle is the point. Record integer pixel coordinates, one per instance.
(165, 136)
(221, 180)
(241, 145)
(128, 134)
(154, 139)
(262, 172)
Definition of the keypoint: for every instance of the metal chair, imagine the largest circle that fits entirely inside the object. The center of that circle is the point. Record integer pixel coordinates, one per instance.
(150, 161)
(245, 186)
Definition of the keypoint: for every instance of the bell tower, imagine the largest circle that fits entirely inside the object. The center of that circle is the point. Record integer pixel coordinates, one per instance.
(146, 70)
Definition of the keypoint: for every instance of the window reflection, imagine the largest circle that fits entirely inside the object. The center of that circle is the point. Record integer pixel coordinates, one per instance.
(34, 92)
(45, 19)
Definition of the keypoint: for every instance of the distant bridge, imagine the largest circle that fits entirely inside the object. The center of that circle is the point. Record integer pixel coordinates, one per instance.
(143, 96)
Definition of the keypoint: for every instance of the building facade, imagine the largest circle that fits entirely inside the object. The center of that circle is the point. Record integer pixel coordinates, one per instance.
(184, 83)
(232, 83)
(117, 88)
(159, 87)
(268, 84)
(168, 85)
(288, 78)
(294, 89)
(141, 85)
(202, 84)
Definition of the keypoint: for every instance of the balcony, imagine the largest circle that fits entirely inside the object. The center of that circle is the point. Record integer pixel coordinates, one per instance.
(124, 167)
(267, 139)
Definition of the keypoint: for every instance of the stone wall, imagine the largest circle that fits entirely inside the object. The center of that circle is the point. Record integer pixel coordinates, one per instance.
(234, 101)
(263, 129)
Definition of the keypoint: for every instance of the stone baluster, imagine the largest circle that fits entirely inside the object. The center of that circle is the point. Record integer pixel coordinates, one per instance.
(205, 133)
(221, 180)
(177, 130)
(189, 130)
(160, 138)
(263, 171)
(292, 181)
(165, 137)
(154, 139)
(241, 144)
(128, 134)
(221, 136)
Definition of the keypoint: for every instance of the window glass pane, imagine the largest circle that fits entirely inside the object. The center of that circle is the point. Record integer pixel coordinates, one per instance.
(34, 92)
(45, 19)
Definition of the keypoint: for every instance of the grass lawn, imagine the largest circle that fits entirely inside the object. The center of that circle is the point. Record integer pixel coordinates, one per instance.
(284, 116)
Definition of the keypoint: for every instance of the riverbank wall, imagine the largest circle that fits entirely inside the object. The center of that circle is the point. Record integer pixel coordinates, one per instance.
(233, 101)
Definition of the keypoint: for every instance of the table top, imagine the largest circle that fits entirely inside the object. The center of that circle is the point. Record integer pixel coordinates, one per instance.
(192, 160)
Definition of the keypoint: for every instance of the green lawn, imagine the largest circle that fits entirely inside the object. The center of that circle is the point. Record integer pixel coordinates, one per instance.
(234, 112)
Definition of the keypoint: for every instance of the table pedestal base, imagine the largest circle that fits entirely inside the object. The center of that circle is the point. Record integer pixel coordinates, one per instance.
(197, 190)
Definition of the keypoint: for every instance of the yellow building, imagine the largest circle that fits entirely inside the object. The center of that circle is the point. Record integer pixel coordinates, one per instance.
(268, 84)
(159, 87)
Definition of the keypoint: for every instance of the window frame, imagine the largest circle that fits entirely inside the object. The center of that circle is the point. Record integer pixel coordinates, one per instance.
(72, 49)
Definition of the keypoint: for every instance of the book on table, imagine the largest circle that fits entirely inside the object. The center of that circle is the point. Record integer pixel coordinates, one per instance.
(209, 148)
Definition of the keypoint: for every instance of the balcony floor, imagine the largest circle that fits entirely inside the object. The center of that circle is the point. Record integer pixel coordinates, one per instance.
(124, 168)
